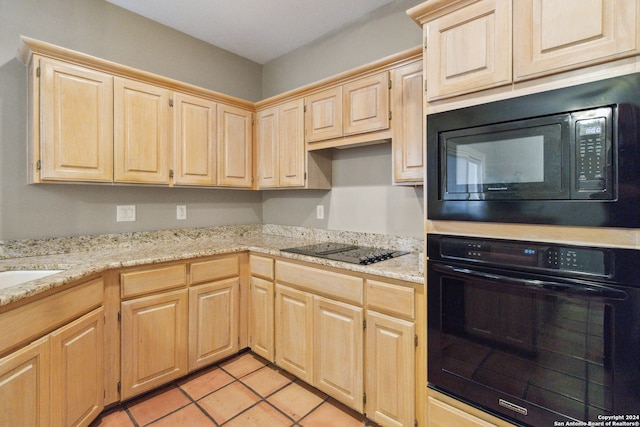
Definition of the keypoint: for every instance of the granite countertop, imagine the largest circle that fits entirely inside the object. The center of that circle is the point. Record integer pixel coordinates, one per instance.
(81, 257)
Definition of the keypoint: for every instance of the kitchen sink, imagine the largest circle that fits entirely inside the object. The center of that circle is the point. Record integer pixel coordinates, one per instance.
(15, 277)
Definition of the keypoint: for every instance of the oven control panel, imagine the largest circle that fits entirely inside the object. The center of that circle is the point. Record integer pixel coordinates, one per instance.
(593, 261)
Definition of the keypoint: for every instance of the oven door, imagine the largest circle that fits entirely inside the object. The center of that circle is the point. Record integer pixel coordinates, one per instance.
(533, 349)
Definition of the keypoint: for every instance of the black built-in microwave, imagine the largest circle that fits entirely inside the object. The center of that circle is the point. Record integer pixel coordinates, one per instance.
(569, 156)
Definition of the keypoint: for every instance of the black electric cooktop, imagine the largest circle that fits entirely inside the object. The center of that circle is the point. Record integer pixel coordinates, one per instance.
(346, 253)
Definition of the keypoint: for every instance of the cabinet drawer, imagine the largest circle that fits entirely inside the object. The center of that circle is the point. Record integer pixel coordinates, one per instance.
(328, 283)
(261, 266)
(27, 322)
(215, 269)
(442, 415)
(153, 280)
(392, 299)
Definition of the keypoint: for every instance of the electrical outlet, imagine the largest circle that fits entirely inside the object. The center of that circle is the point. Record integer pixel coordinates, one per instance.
(181, 212)
(320, 212)
(125, 213)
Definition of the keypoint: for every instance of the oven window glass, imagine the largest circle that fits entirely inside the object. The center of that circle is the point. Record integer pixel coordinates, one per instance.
(546, 349)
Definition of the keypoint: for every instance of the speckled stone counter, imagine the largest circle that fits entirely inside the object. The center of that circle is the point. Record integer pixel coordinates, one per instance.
(84, 256)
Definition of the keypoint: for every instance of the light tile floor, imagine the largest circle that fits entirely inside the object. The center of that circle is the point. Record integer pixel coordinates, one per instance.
(244, 391)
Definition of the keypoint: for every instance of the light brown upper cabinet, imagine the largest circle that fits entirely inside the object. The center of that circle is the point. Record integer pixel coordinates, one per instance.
(407, 129)
(74, 141)
(469, 49)
(354, 108)
(142, 122)
(551, 36)
(195, 155)
(477, 45)
(365, 105)
(280, 145)
(324, 115)
(235, 129)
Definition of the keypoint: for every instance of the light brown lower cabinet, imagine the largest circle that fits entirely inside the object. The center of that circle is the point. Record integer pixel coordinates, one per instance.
(294, 332)
(261, 318)
(390, 370)
(58, 379)
(338, 339)
(441, 414)
(24, 386)
(213, 322)
(77, 371)
(154, 341)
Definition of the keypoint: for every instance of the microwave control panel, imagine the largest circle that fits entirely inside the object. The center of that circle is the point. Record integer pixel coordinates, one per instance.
(593, 150)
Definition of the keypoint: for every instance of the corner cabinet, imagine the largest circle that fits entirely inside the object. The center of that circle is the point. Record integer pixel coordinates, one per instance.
(283, 160)
(280, 146)
(73, 106)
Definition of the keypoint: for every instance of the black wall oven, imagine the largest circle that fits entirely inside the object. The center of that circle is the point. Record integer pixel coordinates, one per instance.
(568, 157)
(535, 333)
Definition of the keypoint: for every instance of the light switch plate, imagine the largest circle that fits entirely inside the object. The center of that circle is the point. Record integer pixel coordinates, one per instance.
(125, 213)
(320, 212)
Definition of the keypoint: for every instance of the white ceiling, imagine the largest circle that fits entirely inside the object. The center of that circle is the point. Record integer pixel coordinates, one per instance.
(259, 30)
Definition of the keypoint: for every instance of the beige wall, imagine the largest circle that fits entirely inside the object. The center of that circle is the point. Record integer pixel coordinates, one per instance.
(101, 29)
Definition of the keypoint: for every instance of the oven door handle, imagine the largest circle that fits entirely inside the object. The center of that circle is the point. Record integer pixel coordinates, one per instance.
(584, 288)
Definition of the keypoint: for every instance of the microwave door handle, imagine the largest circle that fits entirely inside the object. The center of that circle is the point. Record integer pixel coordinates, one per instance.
(586, 289)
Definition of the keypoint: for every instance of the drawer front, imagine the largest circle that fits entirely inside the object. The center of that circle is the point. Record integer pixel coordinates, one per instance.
(35, 319)
(215, 269)
(261, 267)
(317, 281)
(392, 299)
(152, 280)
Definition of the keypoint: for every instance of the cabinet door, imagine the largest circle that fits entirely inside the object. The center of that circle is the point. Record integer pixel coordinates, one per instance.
(234, 146)
(390, 370)
(408, 137)
(76, 116)
(261, 318)
(366, 104)
(24, 386)
(267, 147)
(154, 341)
(77, 371)
(323, 116)
(294, 332)
(338, 357)
(213, 322)
(142, 122)
(469, 49)
(552, 36)
(291, 148)
(195, 140)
